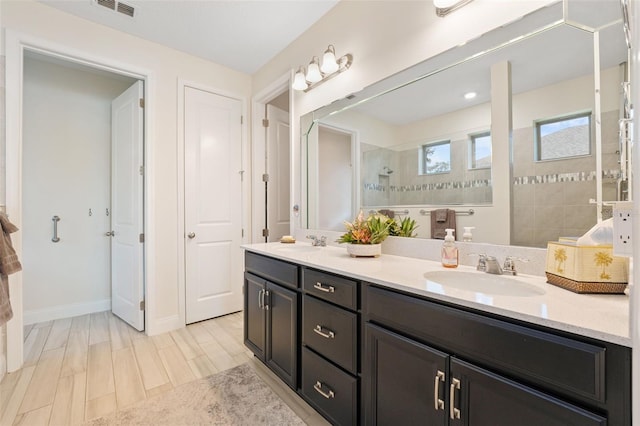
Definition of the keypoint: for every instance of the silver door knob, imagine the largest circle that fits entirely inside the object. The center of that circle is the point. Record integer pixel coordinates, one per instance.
(110, 234)
(191, 235)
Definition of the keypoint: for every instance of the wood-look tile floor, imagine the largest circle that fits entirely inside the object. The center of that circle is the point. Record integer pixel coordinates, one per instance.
(81, 368)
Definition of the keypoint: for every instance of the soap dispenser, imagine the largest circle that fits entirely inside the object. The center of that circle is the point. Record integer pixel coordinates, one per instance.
(467, 237)
(449, 250)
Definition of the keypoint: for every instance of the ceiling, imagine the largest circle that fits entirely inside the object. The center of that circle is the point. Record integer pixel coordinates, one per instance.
(240, 34)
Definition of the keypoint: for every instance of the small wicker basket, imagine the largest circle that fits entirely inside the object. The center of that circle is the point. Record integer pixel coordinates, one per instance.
(586, 287)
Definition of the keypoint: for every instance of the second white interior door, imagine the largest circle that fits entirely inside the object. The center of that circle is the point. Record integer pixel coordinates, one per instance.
(213, 204)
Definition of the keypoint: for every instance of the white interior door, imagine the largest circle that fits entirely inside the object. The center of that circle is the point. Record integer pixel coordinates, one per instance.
(213, 204)
(279, 170)
(127, 250)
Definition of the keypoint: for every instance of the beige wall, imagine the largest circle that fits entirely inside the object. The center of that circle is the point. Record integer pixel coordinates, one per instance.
(384, 38)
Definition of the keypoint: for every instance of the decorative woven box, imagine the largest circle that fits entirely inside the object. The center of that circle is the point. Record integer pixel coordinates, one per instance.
(586, 269)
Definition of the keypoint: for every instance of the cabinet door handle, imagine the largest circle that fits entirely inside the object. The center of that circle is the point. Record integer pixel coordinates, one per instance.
(261, 299)
(318, 388)
(265, 300)
(437, 402)
(324, 287)
(454, 413)
(326, 334)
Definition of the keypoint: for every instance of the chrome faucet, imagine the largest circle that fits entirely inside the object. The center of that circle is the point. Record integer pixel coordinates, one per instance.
(492, 266)
(315, 242)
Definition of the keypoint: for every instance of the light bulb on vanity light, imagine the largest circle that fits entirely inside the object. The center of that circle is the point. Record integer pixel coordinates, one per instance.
(313, 71)
(299, 81)
(329, 63)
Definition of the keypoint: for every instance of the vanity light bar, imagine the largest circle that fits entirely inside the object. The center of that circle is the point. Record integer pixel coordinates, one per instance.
(317, 74)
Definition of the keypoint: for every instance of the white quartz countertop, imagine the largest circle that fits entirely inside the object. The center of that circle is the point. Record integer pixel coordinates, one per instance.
(603, 317)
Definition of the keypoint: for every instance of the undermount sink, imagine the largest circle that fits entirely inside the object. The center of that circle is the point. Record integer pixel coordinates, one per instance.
(480, 282)
(295, 248)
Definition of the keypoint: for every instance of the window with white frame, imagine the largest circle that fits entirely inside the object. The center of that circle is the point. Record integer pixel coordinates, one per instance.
(563, 137)
(435, 158)
(480, 150)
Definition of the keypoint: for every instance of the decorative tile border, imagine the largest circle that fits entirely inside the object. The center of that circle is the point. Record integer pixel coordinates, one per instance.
(565, 177)
(477, 183)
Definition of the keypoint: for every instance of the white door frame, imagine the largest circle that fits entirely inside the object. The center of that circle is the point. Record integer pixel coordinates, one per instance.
(258, 151)
(16, 44)
(246, 193)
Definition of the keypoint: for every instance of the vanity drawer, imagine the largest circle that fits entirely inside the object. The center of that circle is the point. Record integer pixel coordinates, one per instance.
(329, 389)
(331, 331)
(275, 270)
(562, 364)
(339, 290)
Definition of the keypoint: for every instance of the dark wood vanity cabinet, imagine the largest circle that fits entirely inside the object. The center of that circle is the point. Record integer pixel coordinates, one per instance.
(330, 345)
(271, 300)
(365, 354)
(424, 360)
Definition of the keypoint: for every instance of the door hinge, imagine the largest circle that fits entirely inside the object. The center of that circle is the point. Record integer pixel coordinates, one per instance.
(241, 119)
(243, 233)
(142, 305)
(265, 122)
(241, 175)
(265, 232)
(141, 238)
(141, 103)
(265, 177)
(141, 170)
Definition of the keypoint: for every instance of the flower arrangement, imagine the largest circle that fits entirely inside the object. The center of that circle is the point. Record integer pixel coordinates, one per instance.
(371, 230)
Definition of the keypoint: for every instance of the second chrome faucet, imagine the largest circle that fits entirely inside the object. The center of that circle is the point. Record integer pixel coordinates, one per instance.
(490, 265)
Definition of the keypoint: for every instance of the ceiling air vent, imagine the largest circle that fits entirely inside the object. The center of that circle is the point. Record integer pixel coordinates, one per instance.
(110, 4)
(117, 6)
(125, 9)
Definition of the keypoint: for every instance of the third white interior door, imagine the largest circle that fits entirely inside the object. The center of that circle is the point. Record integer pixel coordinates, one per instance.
(278, 169)
(213, 204)
(127, 249)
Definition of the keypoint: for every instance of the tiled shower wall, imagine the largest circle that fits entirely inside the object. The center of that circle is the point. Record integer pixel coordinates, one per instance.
(551, 198)
(406, 187)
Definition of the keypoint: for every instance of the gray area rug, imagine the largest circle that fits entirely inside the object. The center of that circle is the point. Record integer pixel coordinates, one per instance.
(233, 397)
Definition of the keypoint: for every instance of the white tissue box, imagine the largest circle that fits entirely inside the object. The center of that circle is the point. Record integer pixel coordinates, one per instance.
(586, 269)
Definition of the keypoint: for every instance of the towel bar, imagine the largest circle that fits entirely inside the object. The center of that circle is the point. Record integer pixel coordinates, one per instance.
(55, 220)
(469, 212)
(398, 212)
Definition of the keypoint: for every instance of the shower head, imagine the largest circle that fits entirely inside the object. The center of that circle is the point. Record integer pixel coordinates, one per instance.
(387, 170)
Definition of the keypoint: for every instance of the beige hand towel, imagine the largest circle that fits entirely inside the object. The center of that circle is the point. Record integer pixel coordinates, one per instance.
(9, 264)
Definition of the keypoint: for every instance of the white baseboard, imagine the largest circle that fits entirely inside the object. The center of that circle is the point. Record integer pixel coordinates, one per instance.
(163, 325)
(66, 311)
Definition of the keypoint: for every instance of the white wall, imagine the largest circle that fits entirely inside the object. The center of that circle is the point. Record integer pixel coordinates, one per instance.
(334, 170)
(165, 66)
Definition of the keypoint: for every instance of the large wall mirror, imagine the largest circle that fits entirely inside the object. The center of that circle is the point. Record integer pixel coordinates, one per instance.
(517, 131)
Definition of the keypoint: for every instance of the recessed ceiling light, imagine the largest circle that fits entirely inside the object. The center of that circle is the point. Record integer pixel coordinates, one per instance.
(470, 95)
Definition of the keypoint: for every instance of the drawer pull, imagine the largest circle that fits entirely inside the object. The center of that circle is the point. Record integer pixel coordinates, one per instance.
(324, 287)
(437, 402)
(454, 413)
(318, 388)
(326, 334)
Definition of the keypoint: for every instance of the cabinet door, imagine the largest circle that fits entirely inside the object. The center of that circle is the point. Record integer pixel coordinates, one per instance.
(282, 332)
(254, 315)
(485, 398)
(400, 380)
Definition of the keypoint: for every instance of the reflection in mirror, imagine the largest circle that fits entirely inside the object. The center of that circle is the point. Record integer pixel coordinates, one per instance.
(424, 145)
